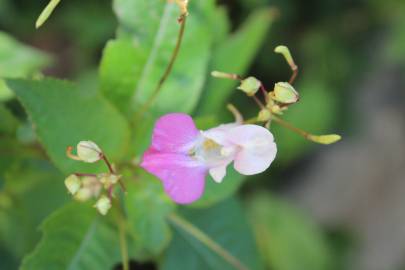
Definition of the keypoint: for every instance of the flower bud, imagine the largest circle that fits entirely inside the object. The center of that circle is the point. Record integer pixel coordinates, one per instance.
(103, 205)
(73, 184)
(83, 194)
(264, 115)
(109, 179)
(325, 139)
(284, 93)
(250, 86)
(89, 152)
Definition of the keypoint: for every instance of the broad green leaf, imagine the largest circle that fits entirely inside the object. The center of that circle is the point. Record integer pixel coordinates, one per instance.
(234, 56)
(75, 238)
(18, 60)
(46, 13)
(64, 114)
(147, 207)
(288, 240)
(27, 182)
(8, 122)
(225, 223)
(120, 67)
(151, 28)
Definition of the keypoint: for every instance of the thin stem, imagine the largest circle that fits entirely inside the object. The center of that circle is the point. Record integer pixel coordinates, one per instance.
(122, 235)
(258, 102)
(294, 69)
(182, 20)
(85, 174)
(207, 241)
(112, 171)
(287, 125)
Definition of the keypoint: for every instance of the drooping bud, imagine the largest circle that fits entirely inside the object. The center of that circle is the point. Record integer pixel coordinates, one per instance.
(103, 205)
(223, 75)
(83, 194)
(281, 49)
(73, 184)
(264, 115)
(250, 86)
(284, 93)
(89, 152)
(325, 139)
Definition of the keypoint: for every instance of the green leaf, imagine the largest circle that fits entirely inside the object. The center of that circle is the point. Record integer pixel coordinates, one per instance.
(63, 115)
(46, 13)
(234, 56)
(27, 182)
(288, 240)
(147, 207)
(120, 67)
(225, 224)
(76, 238)
(8, 122)
(151, 28)
(18, 60)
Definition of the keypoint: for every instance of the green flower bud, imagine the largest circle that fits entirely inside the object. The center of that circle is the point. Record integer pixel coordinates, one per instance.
(264, 115)
(285, 93)
(250, 86)
(73, 184)
(103, 205)
(89, 152)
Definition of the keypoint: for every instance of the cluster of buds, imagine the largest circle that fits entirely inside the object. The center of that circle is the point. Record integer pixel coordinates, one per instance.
(83, 186)
(276, 101)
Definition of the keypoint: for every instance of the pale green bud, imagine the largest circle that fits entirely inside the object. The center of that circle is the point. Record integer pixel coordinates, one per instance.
(84, 194)
(281, 49)
(264, 115)
(109, 179)
(250, 86)
(325, 139)
(284, 93)
(73, 184)
(89, 152)
(103, 205)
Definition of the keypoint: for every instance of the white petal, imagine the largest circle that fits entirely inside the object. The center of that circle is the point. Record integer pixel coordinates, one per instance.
(257, 148)
(219, 134)
(218, 173)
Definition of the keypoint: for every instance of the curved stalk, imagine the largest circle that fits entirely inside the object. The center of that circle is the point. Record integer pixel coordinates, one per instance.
(182, 20)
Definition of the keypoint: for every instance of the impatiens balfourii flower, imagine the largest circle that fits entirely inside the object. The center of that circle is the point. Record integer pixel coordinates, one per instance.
(181, 156)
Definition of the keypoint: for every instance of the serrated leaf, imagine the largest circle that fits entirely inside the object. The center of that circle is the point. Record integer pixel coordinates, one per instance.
(288, 239)
(234, 56)
(64, 114)
(225, 224)
(147, 207)
(76, 238)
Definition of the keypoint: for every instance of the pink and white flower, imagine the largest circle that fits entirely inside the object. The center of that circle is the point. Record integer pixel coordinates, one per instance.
(181, 156)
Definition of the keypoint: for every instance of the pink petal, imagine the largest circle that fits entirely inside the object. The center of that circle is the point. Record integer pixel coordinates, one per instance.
(174, 132)
(257, 148)
(183, 177)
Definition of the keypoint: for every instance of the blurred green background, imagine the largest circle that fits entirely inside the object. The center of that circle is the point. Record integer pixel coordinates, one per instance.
(338, 207)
